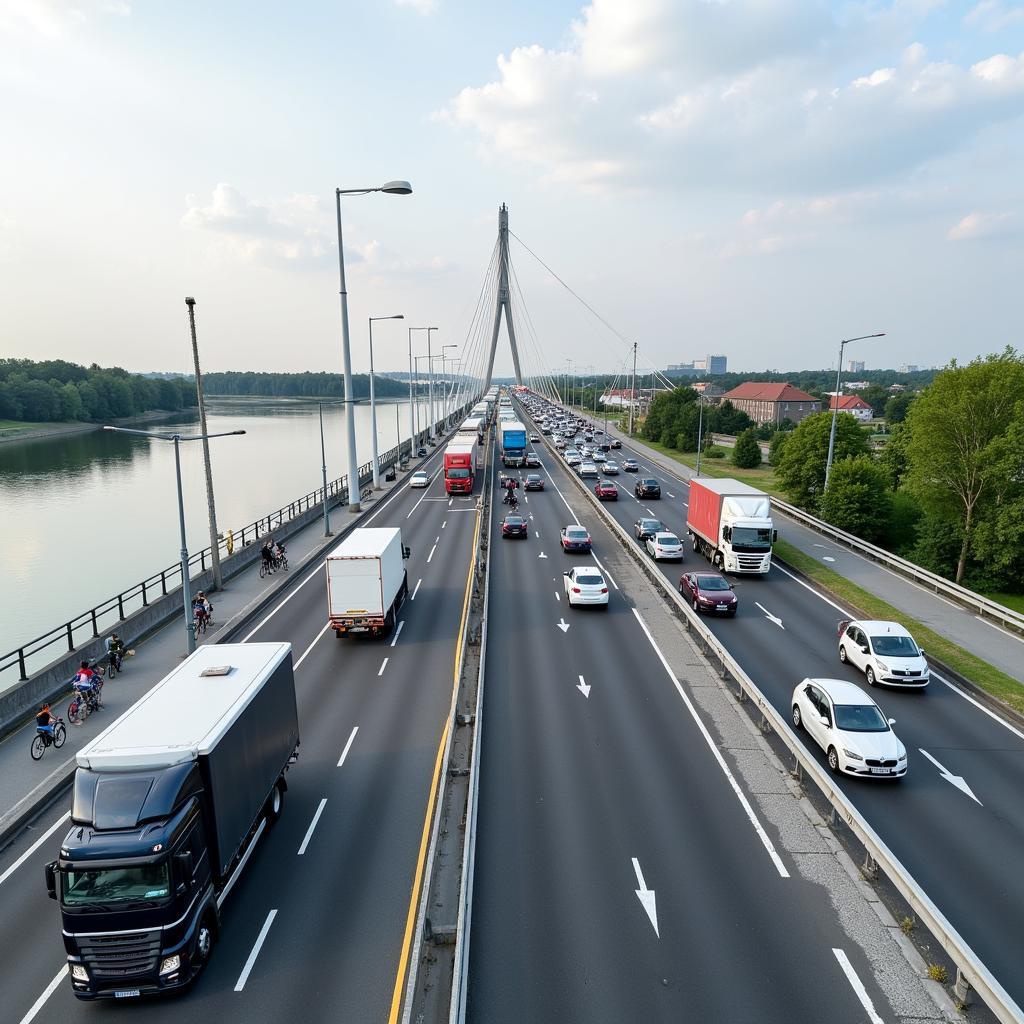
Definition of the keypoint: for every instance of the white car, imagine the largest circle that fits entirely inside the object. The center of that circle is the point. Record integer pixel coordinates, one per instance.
(572, 458)
(665, 546)
(884, 651)
(419, 479)
(584, 584)
(587, 470)
(599, 456)
(611, 468)
(559, 442)
(850, 727)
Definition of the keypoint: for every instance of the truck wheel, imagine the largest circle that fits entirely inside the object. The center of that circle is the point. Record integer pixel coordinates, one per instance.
(275, 803)
(206, 936)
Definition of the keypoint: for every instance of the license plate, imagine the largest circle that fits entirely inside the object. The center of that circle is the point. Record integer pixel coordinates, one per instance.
(127, 993)
(721, 607)
(357, 629)
(881, 771)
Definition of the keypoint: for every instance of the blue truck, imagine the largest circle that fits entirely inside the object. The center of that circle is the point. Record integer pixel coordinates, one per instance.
(513, 443)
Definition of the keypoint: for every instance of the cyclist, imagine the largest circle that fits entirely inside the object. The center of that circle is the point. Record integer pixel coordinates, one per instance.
(280, 558)
(267, 554)
(44, 722)
(201, 605)
(87, 683)
(115, 650)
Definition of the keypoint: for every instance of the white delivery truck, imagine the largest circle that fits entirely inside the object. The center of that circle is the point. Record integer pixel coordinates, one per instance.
(366, 581)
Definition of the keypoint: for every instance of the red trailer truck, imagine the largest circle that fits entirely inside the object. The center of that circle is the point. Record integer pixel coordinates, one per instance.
(459, 467)
(731, 524)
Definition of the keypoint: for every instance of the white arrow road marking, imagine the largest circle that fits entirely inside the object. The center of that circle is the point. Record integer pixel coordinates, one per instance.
(956, 780)
(584, 688)
(542, 555)
(774, 618)
(563, 625)
(646, 897)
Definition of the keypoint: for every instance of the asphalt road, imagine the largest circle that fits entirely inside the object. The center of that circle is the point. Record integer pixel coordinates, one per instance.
(589, 795)
(333, 948)
(958, 847)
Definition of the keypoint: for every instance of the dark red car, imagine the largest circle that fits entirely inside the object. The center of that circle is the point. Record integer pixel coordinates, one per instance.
(575, 538)
(606, 491)
(708, 592)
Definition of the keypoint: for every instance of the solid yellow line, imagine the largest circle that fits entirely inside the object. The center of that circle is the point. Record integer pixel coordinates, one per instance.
(417, 880)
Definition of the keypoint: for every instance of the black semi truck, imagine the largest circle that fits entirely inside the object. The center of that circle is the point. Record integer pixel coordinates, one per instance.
(169, 804)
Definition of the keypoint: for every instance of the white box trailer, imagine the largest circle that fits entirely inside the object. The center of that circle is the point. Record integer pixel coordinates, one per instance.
(366, 581)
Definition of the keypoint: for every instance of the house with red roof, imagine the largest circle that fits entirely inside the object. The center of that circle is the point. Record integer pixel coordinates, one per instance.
(854, 405)
(772, 402)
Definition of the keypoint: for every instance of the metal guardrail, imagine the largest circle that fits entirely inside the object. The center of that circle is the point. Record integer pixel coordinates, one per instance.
(970, 969)
(90, 624)
(954, 591)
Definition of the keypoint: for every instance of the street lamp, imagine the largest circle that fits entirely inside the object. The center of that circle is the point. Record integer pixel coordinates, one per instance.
(835, 401)
(396, 188)
(444, 373)
(414, 416)
(373, 404)
(416, 360)
(430, 386)
(186, 583)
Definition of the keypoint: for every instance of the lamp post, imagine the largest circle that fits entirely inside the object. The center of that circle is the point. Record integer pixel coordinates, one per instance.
(373, 403)
(416, 360)
(186, 583)
(397, 188)
(835, 402)
(444, 373)
(430, 386)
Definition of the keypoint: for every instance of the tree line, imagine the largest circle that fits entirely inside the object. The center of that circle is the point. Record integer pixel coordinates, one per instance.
(55, 390)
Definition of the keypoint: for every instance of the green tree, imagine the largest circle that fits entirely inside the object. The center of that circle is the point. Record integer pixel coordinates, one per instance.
(801, 465)
(953, 426)
(893, 458)
(72, 407)
(897, 407)
(876, 396)
(747, 453)
(778, 441)
(858, 499)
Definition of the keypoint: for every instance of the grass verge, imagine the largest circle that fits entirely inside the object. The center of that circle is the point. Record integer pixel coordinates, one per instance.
(763, 478)
(1014, 601)
(8, 428)
(987, 677)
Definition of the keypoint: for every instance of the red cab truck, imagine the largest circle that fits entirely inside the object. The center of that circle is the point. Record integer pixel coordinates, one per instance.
(730, 523)
(459, 467)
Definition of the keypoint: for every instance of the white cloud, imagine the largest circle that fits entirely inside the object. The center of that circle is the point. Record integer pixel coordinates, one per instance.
(984, 225)
(994, 15)
(419, 6)
(686, 92)
(54, 17)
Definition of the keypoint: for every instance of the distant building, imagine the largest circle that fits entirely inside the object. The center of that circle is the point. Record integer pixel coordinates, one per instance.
(895, 389)
(909, 368)
(856, 385)
(772, 402)
(716, 364)
(855, 366)
(698, 367)
(854, 405)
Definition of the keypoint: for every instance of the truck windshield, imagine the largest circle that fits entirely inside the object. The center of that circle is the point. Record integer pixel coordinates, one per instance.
(750, 538)
(457, 474)
(116, 885)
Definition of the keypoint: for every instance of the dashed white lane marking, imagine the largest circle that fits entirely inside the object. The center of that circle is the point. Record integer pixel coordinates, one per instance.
(1005, 632)
(606, 572)
(858, 986)
(47, 992)
(305, 653)
(260, 939)
(398, 632)
(431, 555)
(383, 665)
(348, 745)
(35, 846)
(312, 827)
(416, 590)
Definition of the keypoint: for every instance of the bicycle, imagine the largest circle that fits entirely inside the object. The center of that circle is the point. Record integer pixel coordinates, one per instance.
(266, 567)
(366, 494)
(83, 704)
(43, 739)
(281, 560)
(200, 621)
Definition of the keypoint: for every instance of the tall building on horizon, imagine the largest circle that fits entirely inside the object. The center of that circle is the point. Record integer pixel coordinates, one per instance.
(855, 366)
(708, 365)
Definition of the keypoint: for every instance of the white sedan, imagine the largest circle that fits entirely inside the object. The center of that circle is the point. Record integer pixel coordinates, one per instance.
(850, 727)
(419, 479)
(884, 651)
(665, 546)
(585, 585)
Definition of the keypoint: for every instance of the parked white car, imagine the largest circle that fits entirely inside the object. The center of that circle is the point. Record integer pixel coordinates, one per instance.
(584, 584)
(419, 478)
(850, 727)
(884, 651)
(665, 546)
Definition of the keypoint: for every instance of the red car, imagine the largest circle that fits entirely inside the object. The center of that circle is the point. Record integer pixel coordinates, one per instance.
(606, 491)
(575, 538)
(708, 592)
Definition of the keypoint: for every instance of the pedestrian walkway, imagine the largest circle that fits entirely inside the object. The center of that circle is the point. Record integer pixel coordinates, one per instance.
(22, 780)
(989, 642)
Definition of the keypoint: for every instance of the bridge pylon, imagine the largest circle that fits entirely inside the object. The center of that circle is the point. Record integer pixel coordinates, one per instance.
(503, 302)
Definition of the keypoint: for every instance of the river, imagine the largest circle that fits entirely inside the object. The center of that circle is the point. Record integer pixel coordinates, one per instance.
(88, 515)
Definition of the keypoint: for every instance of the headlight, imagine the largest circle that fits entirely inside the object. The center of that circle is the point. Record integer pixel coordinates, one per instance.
(882, 667)
(79, 973)
(170, 964)
(851, 755)
(902, 756)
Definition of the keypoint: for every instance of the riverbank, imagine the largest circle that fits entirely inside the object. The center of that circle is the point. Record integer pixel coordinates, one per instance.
(38, 431)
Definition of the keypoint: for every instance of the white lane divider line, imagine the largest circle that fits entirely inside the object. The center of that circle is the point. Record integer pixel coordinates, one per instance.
(558, 596)
(716, 753)
(437, 539)
(383, 665)
(278, 607)
(35, 846)
(327, 626)
(47, 992)
(858, 986)
(670, 494)
(348, 746)
(398, 632)
(605, 571)
(1019, 639)
(431, 555)
(444, 524)
(416, 590)
(250, 963)
(312, 827)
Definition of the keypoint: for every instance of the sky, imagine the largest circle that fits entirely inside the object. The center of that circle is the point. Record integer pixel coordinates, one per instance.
(759, 178)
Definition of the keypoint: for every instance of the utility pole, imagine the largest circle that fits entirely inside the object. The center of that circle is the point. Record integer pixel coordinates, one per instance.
(218, 582)
(632, 392)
